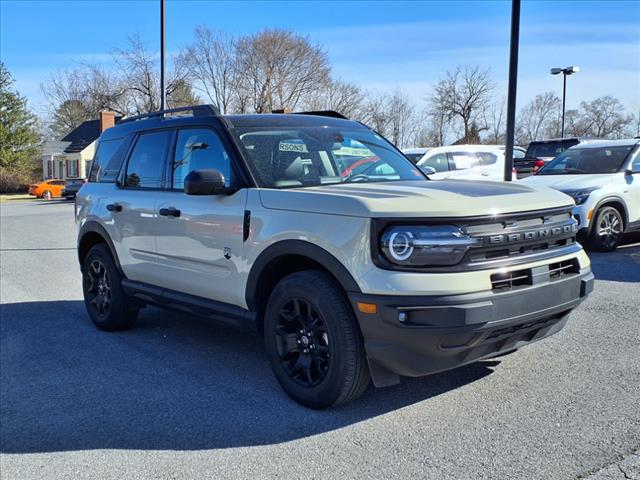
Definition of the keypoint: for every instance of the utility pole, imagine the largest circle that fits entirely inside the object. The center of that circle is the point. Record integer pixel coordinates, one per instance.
(511, 94)
(163, 92)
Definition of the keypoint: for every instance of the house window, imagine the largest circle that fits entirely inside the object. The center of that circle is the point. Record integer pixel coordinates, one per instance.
(87, 168)
(60, 169)
(72, 168)
(50, 169)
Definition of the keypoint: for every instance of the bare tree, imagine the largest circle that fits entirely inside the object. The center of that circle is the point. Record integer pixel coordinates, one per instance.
(494, 120)
(141, 78)
(634, 129)
(603, 117)
(374, 111)
(78, 94)
(536, 117)
(464, 95)
(402, 124)
(211, 62)
(279, 69)
(140, 74)
(340, 96)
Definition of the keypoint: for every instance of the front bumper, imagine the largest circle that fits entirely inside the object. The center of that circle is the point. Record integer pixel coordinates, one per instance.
(419, 335)
(581, 214)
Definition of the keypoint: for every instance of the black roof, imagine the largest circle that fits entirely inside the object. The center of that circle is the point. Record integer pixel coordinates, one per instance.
(82, 136)
(230, 121)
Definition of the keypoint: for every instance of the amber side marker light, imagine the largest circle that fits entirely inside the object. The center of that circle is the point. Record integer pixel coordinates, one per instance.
(590, 214)
(367, 307)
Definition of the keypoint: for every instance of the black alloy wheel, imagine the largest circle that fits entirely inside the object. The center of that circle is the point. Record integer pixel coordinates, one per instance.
(98, 288)
(106, 302)
(314, 342)
(302, 341)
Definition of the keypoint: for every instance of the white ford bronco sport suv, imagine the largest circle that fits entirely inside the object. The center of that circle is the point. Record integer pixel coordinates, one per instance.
(373, 274)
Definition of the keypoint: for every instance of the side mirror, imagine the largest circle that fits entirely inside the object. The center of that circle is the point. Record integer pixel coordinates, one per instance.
(427, 170)
(628, 172)
(205, 182)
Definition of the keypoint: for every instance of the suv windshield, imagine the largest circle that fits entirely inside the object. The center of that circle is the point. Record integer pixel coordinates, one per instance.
(290, 157)
(587, 160)
(548, 149)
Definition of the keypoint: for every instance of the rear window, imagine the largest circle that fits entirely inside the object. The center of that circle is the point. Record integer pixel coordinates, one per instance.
(106, 164)
(145, 168)
(464, 160)
(549, 149)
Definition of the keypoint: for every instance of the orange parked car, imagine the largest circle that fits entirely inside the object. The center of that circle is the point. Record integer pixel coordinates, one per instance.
(47, 188)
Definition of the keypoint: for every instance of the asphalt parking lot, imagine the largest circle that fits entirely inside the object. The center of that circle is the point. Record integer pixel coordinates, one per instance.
(178, 397)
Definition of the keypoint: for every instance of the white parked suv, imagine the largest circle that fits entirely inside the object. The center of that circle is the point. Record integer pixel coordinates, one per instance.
(603, 177)
(467, 162)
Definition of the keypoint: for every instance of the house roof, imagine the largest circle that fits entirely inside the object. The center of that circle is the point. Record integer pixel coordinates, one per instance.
(83, 135)
(54, 147)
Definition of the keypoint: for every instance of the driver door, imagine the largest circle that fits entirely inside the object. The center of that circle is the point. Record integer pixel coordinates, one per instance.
(199, 241)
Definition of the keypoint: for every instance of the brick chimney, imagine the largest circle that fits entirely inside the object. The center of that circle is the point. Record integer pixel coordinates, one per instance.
(107, 119)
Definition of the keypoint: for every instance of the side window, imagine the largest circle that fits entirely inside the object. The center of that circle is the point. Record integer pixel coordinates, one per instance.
(198, 149)
(635, 164)
(106, 163)
(146, 163)
(464, 160)
(438, 161)
(487, 158)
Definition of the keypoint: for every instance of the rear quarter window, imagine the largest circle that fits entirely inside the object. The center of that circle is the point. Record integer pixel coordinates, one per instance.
(107, 160)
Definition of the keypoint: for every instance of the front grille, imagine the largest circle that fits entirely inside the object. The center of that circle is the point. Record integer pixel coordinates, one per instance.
(560, 270)
(509, 280)
(505, 281)
(520, 236)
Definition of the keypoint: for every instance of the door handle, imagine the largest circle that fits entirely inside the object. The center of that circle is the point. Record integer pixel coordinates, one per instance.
(114, 207)
(169, 212)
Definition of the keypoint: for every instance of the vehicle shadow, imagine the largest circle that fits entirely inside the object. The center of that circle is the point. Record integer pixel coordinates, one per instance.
(173, 382)
(621, 265)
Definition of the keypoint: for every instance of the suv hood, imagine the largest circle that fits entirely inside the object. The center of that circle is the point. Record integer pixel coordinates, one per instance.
(436, 198)
(568, 182)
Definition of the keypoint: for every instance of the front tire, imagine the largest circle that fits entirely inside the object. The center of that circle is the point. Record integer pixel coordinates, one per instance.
(313, 341)
(108, 306)
(607, 230)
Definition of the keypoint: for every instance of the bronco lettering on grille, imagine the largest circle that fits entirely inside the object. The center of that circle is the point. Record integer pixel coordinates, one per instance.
(542, 233)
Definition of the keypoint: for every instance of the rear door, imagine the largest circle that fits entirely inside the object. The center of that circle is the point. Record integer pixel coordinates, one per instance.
(132, 205)
(199, 241)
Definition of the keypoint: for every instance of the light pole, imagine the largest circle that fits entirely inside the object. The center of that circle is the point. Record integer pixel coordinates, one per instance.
(511, 92)
(163, 91)
(564, 72)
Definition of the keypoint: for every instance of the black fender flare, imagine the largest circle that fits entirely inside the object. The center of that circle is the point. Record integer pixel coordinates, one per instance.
(299, 248)
(93, 227)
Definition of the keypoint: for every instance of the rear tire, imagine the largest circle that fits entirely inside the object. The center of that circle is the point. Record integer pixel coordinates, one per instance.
(108, 306)
(607, 230)
(313, 341)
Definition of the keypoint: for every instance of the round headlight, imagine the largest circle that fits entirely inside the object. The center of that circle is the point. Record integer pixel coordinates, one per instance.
(401, 245)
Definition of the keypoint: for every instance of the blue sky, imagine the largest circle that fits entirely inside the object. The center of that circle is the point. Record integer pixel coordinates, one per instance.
(378, 45)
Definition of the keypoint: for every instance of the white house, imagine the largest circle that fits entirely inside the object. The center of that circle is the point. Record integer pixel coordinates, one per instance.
(71, 156)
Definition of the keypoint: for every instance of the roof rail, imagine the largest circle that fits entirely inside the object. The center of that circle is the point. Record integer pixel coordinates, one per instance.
(323, 113)
(198, 111)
